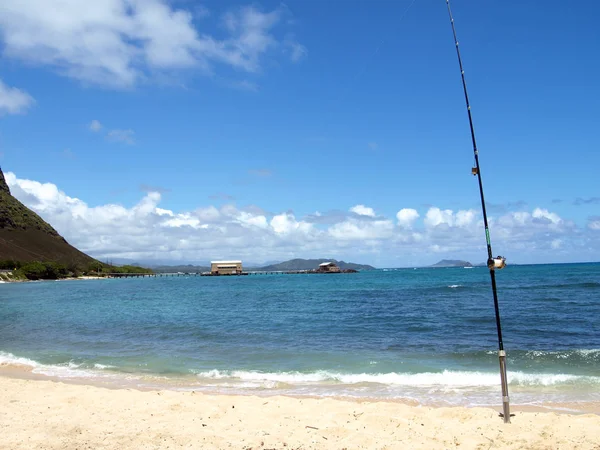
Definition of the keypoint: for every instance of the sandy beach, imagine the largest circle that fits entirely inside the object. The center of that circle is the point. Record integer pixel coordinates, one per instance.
(45, 414)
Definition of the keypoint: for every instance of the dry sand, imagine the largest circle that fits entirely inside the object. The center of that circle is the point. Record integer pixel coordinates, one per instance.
(41, 414)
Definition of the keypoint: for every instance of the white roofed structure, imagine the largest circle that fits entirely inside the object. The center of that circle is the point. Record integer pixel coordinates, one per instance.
(233, 267)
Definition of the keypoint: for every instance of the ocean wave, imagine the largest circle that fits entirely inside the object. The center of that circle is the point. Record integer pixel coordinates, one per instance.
(454, 286)
(69, 369)
(447, 378)
(7, 359)
(568, 359)
(584, 285)
(104, 366)
(583, 357)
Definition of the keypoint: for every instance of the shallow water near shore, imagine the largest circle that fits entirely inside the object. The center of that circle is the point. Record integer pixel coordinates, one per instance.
(424, 335)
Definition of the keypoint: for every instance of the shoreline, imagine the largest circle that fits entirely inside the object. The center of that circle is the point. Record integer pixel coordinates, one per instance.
(26, 372)
(85, 277)
(38, 413)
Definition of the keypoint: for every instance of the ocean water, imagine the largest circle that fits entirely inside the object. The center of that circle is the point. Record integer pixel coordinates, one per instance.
(425, 335)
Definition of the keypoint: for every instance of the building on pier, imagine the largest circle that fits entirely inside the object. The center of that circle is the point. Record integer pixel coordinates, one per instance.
(328, 267)
(226, 267)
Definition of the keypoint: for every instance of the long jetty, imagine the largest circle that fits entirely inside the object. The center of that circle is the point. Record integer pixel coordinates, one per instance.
(147, 275)
(208, 274)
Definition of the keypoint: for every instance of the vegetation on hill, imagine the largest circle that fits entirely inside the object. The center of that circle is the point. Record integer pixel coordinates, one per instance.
(309, 264)
(50, 270)
(32, 249)
(26, 237)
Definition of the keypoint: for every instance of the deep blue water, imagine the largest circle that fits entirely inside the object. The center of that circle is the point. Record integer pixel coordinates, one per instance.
(424, 334)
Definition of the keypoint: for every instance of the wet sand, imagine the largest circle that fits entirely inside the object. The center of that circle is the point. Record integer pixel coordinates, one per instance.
(40, 413)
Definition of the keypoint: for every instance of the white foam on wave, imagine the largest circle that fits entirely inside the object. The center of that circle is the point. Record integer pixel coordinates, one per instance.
(454, 286)
(447, 378)
(67, 370)
(10, 359)
(103, 366)
(565, 354)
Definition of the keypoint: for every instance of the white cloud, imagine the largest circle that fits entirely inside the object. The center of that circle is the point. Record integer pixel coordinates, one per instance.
(462, 219)
(13, 100)
(406, 217)
(251, 220)
(148, 231)
(118, 43)
(125, 136)
(95, 126)
(286, 223)
(436, 217)
(354, 230)
(544, 214)
(363, 210)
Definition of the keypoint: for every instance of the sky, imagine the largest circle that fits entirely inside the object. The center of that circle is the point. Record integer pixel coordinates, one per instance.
(184, 131)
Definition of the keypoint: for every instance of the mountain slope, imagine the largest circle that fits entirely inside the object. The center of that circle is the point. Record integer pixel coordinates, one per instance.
(308, 264)
(25, 236)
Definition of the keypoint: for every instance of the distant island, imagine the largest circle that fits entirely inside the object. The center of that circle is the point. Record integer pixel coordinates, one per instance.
(452, 263)
(309, 264)
(292, 264)
(182, 268)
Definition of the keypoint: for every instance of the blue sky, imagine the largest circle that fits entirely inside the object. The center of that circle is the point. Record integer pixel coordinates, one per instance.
(264, 127)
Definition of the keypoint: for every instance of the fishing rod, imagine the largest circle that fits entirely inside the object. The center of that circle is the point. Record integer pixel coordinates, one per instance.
(498, 262)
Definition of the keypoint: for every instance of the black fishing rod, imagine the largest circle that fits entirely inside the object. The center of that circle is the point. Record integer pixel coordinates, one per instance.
(498, 262)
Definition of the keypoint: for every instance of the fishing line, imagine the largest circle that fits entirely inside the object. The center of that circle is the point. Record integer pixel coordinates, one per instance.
(493, 263)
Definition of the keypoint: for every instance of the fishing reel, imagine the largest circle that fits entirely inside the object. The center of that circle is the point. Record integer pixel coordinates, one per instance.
(499, 262)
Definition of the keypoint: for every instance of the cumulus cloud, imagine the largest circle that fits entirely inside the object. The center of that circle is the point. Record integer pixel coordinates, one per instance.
(352, 230)
(286, 223)
(436, 217)
(545, 215)
(406, 217)
(13, 100)
(148, 231)
(117, 43)
(363, 210)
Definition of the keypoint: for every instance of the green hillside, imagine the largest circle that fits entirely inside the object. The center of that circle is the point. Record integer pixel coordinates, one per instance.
(25, 236)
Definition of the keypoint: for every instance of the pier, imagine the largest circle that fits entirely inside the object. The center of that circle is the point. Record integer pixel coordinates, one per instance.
(209, 274)
(149, 275)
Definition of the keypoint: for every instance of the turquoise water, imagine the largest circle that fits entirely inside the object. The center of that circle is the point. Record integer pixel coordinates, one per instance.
(416, 334)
